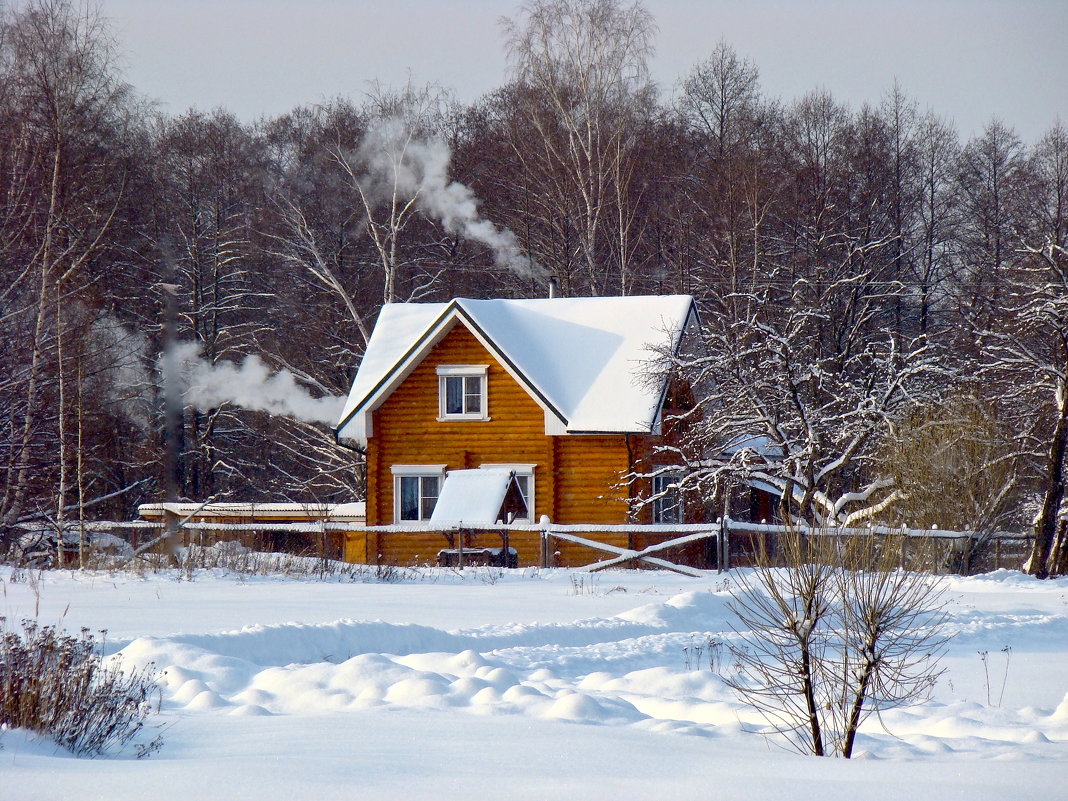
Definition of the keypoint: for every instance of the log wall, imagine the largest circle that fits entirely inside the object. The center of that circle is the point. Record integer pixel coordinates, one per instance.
(576, 478)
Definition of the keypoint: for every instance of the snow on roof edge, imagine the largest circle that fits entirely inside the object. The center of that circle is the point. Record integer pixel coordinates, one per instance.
(389, 359)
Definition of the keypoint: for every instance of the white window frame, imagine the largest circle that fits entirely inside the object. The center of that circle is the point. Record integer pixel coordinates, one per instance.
(401, 471)
(672, 500)
(521, 470)
(464, 371)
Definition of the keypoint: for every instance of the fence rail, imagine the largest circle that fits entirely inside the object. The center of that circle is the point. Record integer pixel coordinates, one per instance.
(685, 548)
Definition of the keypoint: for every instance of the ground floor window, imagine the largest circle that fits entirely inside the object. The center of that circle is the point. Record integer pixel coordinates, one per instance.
(415, 491)
(666, 505)
(524, 477)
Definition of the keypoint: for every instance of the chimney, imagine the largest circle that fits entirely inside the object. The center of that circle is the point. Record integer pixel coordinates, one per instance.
(552, 286)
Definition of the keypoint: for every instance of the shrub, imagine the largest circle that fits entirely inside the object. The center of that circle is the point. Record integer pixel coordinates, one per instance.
(57, 685)
(836, 634)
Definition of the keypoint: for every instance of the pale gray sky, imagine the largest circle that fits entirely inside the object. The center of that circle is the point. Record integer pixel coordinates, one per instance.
(969, 60)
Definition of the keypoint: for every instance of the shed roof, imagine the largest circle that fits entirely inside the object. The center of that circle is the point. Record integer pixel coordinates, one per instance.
(584, 360)
(311, 511)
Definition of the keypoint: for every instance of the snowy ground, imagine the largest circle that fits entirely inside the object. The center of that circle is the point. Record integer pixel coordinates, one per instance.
(523, 685)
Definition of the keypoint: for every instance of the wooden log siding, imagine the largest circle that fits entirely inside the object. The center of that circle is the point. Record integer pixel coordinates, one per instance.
(419, 547)
(591, 468)
(576, 477)
(398, 545)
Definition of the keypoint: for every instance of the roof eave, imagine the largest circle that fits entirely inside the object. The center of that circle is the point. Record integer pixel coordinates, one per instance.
(396, 374)
(433, 334)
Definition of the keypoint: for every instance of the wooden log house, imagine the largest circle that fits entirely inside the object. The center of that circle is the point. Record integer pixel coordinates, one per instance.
(560, 391)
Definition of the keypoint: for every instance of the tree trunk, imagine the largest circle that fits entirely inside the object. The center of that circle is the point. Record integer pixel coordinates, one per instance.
(1058, 558)
(1040, 563)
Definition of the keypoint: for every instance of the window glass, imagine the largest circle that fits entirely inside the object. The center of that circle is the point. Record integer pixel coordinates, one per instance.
(473, 394)
(666, 508)
(454, 394)
(409, 497)
(524, 487)
(417, 496)
(429, 490)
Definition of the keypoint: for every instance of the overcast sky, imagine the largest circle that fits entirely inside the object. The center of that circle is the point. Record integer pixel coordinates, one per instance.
(969, 60)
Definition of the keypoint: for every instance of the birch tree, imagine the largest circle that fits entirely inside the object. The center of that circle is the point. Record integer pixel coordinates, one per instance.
(582, 66)
(64, 107)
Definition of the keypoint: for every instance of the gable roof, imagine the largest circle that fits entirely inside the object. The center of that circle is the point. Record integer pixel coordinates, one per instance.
(583, 360)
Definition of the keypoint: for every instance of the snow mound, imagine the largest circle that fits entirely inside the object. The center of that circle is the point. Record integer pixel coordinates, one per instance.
(468, 687)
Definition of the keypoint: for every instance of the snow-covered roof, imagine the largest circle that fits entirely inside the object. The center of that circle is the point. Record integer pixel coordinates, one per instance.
(472, 496)
(584, 360)
(313, 511)
(758, 444)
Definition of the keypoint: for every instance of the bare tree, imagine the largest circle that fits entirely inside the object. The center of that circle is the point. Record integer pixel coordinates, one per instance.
(1024, 335)
(64, 110)
(733, 177)
(796, 389)
(832, 637)
(991, 186)
(1029, 354)
(933, 264)
(720, 97)
(209, 170)
(583, 68)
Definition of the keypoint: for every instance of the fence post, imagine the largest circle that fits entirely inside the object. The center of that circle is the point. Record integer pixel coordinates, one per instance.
(723, 558)
(544, 523)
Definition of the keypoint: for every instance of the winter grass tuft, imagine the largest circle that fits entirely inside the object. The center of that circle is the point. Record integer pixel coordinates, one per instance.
(55, 684)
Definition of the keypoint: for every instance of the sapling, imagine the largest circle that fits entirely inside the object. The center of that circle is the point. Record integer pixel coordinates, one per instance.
(984, 657)
(834, 635)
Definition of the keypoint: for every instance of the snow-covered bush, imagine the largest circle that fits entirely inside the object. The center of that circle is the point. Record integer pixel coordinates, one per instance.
(57, 685)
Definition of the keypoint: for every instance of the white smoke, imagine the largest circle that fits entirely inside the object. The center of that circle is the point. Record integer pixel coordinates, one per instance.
(250, 385)
(396, 161)
(121, 354)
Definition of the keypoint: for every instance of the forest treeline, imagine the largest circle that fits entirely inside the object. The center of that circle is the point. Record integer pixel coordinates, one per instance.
(886, 305)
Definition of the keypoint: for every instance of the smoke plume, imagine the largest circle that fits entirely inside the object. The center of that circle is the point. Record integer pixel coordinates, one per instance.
(418, 169)
(250, 385)
(121, 360)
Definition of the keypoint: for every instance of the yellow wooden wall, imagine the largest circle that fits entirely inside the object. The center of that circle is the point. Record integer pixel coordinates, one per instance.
(576, 478)
(418, 547)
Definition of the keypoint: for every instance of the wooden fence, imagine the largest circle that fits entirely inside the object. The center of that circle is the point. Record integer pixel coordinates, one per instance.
(935, 550)
(688, 549)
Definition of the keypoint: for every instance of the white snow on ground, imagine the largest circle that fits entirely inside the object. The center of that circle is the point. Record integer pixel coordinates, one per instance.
(523, 684)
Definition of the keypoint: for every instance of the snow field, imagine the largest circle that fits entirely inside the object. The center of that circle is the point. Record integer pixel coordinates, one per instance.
(522, 684)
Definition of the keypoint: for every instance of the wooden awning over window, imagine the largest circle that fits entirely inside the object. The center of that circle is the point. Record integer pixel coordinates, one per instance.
(478, 498)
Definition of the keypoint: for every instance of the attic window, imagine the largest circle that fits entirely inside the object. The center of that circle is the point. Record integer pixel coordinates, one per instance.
(462, 392)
